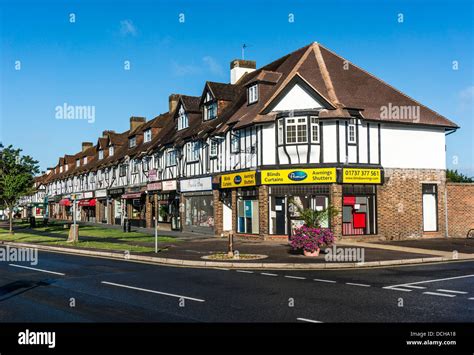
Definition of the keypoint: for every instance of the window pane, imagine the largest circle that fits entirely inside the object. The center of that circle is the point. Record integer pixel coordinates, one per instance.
(290, 134)
(302, 137)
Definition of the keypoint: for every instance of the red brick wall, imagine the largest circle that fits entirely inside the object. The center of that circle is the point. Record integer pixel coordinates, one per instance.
(460, 209)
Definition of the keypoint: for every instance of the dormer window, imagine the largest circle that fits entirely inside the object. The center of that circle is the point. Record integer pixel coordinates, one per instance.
(182, 119)
(252, 93)
(210, 108)
(132, 142)
(78, 162)
(85, 161)
(147, 136)
(111, 150)
(101, 154)
(67, 167)
(61, 169)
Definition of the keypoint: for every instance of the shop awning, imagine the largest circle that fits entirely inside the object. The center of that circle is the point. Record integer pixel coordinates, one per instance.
(65, 202)
(86, 203)
(132, 195)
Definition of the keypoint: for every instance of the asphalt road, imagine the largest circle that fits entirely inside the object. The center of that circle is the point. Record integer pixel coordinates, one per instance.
(70, 288)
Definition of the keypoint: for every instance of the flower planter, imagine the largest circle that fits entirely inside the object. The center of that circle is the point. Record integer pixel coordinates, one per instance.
(314, 253)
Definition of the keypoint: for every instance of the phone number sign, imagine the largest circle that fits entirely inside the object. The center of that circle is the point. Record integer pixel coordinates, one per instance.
(361, 176)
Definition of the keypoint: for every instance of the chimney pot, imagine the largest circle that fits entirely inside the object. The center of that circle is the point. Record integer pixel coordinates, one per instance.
(86, 145)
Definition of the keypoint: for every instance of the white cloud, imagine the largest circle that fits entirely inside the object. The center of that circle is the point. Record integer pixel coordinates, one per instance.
(185, 69)
(127, 28)
(213, 66)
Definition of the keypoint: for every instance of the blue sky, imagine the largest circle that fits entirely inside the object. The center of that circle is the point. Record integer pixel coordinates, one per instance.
(82, 63)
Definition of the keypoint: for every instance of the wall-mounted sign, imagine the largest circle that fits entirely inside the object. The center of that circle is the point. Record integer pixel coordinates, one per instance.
(169, 185)
(199, 184)
(361, 176)
(299, 176)
(115, 192)
(153, 186)
(248, 178)
(101, 193)
(152, 175)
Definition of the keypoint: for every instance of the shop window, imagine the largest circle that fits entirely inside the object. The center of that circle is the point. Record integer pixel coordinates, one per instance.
(247, 215)
(359, 210)
(199, 211)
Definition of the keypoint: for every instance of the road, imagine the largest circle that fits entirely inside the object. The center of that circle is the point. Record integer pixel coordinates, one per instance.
(70, 288)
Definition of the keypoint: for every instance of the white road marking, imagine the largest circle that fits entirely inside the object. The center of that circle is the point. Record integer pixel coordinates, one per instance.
(471, 298)
(321, 280)
(295, 277)
(152, 291)
(427, 281)
(452, 291)
(438, 294)
(268, 274)
(42, 270)
(308, 320)
(245, 271)
(221, 268)
(417, 287)
(397, 289)
(354, 284)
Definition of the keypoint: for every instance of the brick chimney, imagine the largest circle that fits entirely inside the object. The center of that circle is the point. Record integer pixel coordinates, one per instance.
(238, 67)
(136, 122)
(173, 102)
(86, 145)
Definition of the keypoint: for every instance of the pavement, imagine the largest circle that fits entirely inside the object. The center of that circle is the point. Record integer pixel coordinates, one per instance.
(192, 250)
(72, 288)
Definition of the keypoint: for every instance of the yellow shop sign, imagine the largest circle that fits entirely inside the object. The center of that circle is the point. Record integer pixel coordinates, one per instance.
(361, 176)
(247, 178)
(299, 176)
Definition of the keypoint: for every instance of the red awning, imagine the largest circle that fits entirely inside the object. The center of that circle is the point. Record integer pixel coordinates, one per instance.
(65, 202)
(87, 202)
(132, 195)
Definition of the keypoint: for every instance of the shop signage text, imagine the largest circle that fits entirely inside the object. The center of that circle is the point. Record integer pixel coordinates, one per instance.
(361, 176)
(169, 185)
(239, 179)
(153, 186)
(299, 176)
(199, 184)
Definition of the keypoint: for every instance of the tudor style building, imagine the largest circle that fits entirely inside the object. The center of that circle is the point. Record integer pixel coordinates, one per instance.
(307, 130)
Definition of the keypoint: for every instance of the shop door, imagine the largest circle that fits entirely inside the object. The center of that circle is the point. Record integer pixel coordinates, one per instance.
(430, 202)
(280, 212)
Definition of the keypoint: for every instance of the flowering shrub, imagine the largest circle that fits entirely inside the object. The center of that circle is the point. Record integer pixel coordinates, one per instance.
(310, 239)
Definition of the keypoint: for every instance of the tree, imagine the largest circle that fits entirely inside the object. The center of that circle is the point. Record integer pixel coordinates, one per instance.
(16, 178)
(454, 176)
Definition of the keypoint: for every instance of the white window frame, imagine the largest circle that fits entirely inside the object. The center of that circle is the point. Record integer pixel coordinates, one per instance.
(122, 170)
(132, 142)
(297, 122)
(78, 162)
(182, 119)
(135, 163)
(253, 94)
(192, 151)
(353, 139)
(171, 154)
(101, 154)
(146, 163)
(314, 121)
(235, 142)
(280, 130)
(85, 160)
(111, 150)
(213, 148)
(147, 136)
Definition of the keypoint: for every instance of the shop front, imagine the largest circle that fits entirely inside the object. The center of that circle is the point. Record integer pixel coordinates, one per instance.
(62, 208)
(198, 200)
(169, 206)
(102, 206)
(116, 208)
(135, 202)
(290, 191)
(86, 204)
(243, 186)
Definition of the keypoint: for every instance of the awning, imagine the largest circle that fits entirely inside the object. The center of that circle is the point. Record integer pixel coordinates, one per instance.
(132, 195)
(65, 202)
(86, 203)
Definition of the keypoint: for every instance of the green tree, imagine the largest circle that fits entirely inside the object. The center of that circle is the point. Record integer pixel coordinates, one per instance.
(454, 176)
(313, 218)
(16, 178)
